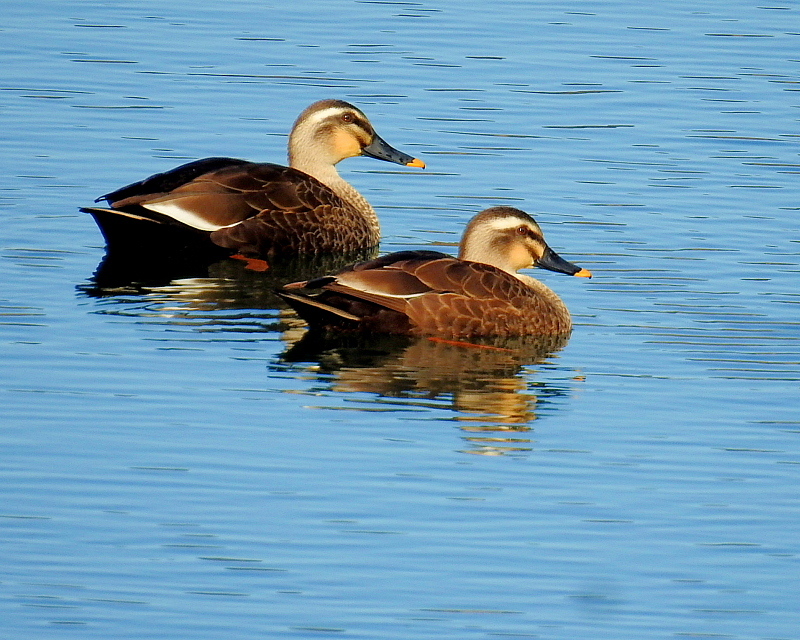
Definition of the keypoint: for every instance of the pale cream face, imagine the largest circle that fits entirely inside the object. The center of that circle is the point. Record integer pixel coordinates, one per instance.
(519, 240)
(507, 242)
(520, 256)
(343, 133)
(345, 143)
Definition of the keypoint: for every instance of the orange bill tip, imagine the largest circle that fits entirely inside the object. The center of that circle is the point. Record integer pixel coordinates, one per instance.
(583, 273)
(416, 162)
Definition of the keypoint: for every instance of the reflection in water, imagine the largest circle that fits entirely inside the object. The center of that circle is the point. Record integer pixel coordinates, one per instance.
(484, 383)
(195, 294)
(208, 281)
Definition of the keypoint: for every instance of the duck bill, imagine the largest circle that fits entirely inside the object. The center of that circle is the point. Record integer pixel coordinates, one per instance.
(554, 262)
(382, 150)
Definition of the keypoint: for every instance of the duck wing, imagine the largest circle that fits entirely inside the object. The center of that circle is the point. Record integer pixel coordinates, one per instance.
(255, 208)
(445, 296)
(161, 183)
(367, 296)
(472, 299)
(408, 274)
(289, 210)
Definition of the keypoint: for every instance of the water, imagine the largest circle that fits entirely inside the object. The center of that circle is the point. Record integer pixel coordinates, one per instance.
(175, 464)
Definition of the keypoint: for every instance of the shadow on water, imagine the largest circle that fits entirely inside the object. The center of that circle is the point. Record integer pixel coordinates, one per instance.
(210, 279)
(484, 384)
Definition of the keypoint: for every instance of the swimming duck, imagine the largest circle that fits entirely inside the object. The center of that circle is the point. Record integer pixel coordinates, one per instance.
(428, 293)
(266, 210)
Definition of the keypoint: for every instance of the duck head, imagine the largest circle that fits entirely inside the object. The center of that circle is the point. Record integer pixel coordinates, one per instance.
(511, 240)
(329, 131)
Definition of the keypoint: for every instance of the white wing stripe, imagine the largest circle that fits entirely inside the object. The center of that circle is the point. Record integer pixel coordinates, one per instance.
(189, 218)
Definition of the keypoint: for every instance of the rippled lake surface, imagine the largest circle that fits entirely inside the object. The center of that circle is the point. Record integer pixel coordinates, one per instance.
(177, 463)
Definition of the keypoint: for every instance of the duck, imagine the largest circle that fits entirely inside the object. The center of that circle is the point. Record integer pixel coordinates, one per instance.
(263, 210)
(478, 294)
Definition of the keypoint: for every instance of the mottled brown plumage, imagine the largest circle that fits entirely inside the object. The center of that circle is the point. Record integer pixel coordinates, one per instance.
(266, 210)
(430, 293)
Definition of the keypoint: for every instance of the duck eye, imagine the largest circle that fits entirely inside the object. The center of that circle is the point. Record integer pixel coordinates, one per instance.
(522, 231)
(348, 118)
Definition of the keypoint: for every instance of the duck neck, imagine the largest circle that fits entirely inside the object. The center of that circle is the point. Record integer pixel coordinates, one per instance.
(326, 173)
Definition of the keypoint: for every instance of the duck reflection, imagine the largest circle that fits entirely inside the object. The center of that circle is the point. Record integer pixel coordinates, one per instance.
(485, 387)
(485, 383)
(205, 280)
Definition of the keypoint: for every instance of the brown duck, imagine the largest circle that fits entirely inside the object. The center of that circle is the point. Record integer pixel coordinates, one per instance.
(428, 293)
(266, 210)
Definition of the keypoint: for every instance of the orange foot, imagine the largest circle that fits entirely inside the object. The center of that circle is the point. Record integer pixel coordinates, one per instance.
(254, 264)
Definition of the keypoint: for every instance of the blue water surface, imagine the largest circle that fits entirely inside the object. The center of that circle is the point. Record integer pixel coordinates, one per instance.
(174, 465)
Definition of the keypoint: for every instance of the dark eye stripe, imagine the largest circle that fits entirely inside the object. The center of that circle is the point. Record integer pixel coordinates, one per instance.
(361, 123)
